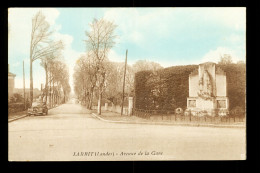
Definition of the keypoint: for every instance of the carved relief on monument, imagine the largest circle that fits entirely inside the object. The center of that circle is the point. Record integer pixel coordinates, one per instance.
(205, 86)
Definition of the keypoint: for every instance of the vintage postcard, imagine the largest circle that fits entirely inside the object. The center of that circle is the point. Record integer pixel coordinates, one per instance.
(126, 84)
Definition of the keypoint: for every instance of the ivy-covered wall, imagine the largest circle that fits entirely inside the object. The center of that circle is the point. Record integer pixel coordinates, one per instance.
(168, 88)
(236, 84)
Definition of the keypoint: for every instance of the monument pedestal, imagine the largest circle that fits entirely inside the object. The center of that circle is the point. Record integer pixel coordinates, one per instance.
(201, 107)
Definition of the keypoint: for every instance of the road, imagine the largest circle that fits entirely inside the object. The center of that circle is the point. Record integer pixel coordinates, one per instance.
(71, 133)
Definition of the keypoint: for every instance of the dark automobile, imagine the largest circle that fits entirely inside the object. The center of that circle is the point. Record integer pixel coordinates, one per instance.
(38, 108)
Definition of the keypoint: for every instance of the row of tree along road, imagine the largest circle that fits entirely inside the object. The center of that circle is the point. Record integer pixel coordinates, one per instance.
(95, 77)
(49, 52)
(45, 48)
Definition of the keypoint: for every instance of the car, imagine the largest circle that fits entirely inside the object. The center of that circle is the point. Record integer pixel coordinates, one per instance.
(38, 108)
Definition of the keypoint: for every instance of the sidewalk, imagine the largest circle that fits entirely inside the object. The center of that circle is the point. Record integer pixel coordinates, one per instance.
(112, 117)
(19, 115)
(16, 116)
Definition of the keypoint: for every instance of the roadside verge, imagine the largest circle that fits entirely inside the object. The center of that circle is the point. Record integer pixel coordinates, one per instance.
(14, 118)
(167, 123)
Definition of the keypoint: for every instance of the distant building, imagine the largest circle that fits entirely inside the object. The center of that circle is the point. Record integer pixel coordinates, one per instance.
(11, 77)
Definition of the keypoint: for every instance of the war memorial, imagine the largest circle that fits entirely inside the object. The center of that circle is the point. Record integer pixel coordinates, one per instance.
(208, 91)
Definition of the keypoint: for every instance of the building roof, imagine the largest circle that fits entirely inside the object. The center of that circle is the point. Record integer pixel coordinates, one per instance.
(11, 74)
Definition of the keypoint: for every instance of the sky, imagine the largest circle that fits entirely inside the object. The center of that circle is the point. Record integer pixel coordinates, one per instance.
(168, 36)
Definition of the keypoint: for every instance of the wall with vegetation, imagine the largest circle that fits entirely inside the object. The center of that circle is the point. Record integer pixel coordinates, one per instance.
(168, 88)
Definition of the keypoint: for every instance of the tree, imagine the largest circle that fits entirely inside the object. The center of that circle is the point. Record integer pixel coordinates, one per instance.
(60, 80)
(80, 78)
(241, 62)
(226, 59)
(142, 65)
(85, 79)
(41, 45)
(115, 82)
(47, 62)
(16, 98)
(99, 41)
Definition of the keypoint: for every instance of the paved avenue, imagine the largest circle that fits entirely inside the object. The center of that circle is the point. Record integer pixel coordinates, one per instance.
(71, 133)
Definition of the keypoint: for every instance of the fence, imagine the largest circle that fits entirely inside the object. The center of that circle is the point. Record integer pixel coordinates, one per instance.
(164, 115)
(113, 108)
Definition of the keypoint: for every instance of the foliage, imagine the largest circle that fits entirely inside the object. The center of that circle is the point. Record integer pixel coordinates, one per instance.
(236, 84)
(15, 107)
(237, 112)
(165, 89)
(226, 59)
(16, 98)
(143, 65)
(57, 79)
(85, 79)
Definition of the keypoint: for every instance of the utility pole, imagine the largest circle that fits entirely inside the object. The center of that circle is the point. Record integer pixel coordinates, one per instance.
(124, 85)
(24, 88)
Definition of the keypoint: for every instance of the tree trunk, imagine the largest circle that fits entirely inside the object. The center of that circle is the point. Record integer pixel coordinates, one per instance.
(55, 99)
(91, 97)
(99, 103)
(64, 96)
(46, 84)
(88, 100)
(56, 94)
(52, 93)
(85, 96)
(31, 82)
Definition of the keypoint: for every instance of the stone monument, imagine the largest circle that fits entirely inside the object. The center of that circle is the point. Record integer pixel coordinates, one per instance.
(207, 91)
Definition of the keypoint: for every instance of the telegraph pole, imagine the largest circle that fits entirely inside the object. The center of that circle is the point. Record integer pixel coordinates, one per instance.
(24, 88)
(124, 84)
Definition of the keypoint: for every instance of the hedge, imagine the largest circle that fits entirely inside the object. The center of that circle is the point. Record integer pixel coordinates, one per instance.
(164, 89)
(168, 89)
(236, 84)
(16, 107)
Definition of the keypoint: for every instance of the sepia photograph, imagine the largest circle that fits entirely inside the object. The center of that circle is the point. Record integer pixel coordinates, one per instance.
(127, 84)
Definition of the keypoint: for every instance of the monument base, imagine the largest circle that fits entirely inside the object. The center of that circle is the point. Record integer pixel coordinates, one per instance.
(217, 106)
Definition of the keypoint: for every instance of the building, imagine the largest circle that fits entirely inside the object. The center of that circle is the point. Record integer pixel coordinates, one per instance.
(11, 83)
